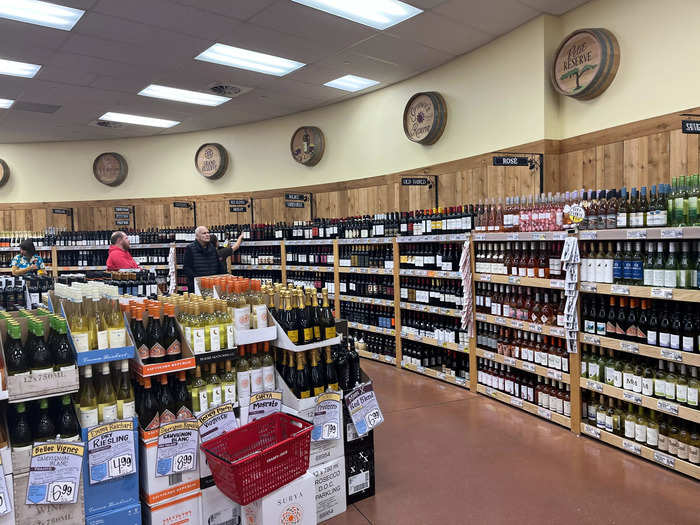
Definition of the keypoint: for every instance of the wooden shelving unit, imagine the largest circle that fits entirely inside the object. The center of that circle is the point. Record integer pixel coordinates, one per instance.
(434, 342)
(457, 381)
(556, 331)
(416, 307)
(554, 284)
(540, 370)
(538, 411)
(366, 300)
(645, 292)
(667, 354)
(377, 357)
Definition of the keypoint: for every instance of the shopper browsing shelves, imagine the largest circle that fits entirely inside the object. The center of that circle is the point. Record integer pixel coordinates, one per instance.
(119, 257)
(27, 261)
(201, 257)
(225, 251)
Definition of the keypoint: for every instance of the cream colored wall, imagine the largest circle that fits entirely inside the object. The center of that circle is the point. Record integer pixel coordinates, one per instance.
(658, 72)
(494, 100)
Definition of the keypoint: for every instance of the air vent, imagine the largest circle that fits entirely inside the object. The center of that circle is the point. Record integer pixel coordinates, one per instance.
(34, 107)
(228, 89)
(107, 124)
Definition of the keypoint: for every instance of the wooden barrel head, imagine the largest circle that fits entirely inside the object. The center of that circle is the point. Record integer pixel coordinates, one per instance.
(110, 168)
(308, 145)
(4, 173)
(425, 117)
(211, 160)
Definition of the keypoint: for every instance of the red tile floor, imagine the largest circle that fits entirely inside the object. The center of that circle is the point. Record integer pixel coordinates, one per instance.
(447, 456)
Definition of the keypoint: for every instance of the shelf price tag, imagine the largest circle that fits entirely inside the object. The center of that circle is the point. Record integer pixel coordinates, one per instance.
(673, 355)
(111, 451)
(516, 324)
(557, 331)
(631, 446)
(594, 385)
(666, 406)
(516, 401)
(326, 417)
(501, 321)
(672, 233)
(530, 367)
(364, 408)
(420, 369)
(554, 374)
(264, 404)
(440, 375)
(620, 289)
(217, 421)
(479, 236)
(481, 317)
(513, 236)
(556, 283)
(534, 327)
(559, 236)
(632, 348)
(5, 505)
(589, 287)
(485, 277)
(177, 447)
(54, 473)
(636, 234)
(591, 339)
(662, 293)
(588, 236)
(664, 459)
(460, 381)
(489, 355)
(539, 236)
(545, 413)
(591, 431)
(388, 359)
(490, 391)
(513, 279)
(375, 357)
(509, 361)
(632, 397)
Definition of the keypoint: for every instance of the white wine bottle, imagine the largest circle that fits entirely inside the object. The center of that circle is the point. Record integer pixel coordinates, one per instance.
(88, 401)
(106, 397)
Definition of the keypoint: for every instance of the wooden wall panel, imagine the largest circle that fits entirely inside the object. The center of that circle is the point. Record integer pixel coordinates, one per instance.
(272, 209)
(216, 213)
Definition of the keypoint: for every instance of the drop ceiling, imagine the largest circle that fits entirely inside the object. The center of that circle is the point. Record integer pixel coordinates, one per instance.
(119, 47)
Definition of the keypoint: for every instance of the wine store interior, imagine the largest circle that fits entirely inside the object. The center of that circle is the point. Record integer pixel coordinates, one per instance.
(352, 262)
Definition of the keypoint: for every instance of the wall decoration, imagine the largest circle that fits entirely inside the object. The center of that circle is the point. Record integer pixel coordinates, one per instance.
(110, 168)
(211, 160)
(424, 117)
(308, 145)
(4, 173)
(586, 63)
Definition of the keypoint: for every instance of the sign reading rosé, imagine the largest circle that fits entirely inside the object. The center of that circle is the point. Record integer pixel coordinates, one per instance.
(307, 145)
(211, 160)
(110, 169)
(424, 117)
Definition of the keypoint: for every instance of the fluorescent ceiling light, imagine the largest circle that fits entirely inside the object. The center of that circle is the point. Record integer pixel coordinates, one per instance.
(183, 95)
(138, 120)
(250, 60)
(40, 13)
(18, 69)
(378, 14)
(351, 83)
(5, 103)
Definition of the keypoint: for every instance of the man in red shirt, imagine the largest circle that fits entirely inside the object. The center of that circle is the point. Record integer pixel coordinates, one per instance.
(119, 256)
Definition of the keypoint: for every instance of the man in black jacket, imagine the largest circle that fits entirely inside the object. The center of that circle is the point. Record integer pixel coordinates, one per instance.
(201, 257)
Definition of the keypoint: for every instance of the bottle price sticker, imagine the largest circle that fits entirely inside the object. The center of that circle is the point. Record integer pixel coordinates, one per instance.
(326, 417)
(177, 447)
(363, 408)
(631, 446)
(111, 451)
(632, 397)
(54, 473)
(664, 459)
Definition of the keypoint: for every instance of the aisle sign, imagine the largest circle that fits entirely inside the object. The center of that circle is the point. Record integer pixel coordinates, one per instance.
(295, 196)
(326, 417)
(691, 126)
(294, 204)
(122, 209)
(364, 409)
(177, 447)
(217, 421)
(237, 202)
(237, 209)
(5, 504)
(54, 473)
(415, 181)
(111, 451)
(510, 161)
(264, 404)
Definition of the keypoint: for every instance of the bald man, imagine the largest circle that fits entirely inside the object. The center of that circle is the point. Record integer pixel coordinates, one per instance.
(200, 257)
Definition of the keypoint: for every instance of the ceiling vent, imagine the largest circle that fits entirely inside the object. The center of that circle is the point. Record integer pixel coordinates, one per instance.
(228, 89)
(107, 124)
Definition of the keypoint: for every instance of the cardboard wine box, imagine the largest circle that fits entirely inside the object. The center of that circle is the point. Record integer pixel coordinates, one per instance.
(186, 510)
(293, 503)
(68, 514)
(217, 508)
(330, 489)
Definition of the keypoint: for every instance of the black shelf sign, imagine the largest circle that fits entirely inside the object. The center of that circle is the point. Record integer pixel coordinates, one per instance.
(121, 222)
(415, 181)
(238, 209)
(237, 202)
(122, 216)
(691, 126)
(295, 197)
(126, 209)
(293, 204)
(62, 211)
(179, 204)
(510, 161)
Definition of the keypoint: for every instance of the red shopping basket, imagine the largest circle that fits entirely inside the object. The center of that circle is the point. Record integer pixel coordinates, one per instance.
(258, 458)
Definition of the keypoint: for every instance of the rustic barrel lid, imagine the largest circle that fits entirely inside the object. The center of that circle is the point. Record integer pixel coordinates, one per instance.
(585, 63)
(4, 172)
(308, 145)
(110, 168)
(211, 160)
(425, 117)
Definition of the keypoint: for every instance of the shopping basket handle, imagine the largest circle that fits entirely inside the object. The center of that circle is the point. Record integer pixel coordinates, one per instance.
(302, 428)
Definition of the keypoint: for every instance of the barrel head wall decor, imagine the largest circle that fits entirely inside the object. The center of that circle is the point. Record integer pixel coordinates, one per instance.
(4, 173)
(424, 117)
(211, 160)
(585, 63)
(307, 145)
(110, 169)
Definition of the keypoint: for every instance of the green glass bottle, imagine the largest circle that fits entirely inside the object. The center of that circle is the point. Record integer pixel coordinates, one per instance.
(21, 432)
(68, 426)
(679, 202)
(44, 429)
(16, 357)
(683, 279)
(693, 193)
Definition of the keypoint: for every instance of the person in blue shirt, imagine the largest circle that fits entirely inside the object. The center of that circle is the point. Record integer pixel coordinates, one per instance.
(27, 261)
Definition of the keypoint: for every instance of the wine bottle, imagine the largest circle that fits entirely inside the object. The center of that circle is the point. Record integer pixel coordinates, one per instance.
(125, 393)
(268, 369)
(44, 429)
(243, 378)
(16, 357)
(68, 426)
(106, 397)
(149, 416)
(89, 416)
(183, 399)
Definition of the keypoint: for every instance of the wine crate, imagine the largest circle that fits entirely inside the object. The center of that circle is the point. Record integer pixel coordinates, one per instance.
(217, 508)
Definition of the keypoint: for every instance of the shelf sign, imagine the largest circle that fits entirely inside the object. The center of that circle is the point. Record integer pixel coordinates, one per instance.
(294, 204)
(415, 181)
(178, 444)
(295, 196)
(691, 126)
(179, 204)
(510, 161)
(111, 451)
(120, 209)
(237, 202)
(62, 211)
(121, 222)
(54, 473)
(238, 209)
(122, 216)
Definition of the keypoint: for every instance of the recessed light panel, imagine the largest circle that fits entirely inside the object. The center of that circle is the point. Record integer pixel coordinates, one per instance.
(250, 60)
(351, 83)
(378, 14)
(183, 95)
(40, 13)
(5, 103)
(18, 69)
(138, 120)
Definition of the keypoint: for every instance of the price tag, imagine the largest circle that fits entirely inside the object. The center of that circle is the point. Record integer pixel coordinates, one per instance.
(513, 236)
(490, 391)
(460, 381)
(554, 374)
(632, 397)
(516, 401)
(556, 283)
(375, 357)
(589, 287)
(441, 375)
(509, 361)
(636, 234)
(501, 321)
(591, 431)
(537, 328)
(364, 408)
(664, 459)
(326, 417)
(557, 332)
(662, 293)
(591, 339)
(588, 235)
(54, 473)
(479, 236)
(632, 348)
(420, 369)
(545, 413)
(217, 421)
(264, 404)
(631, 446)
(5, 504)
(388, 359)
(481, 317)
(559, 236)
(513, 279)
(516, 324)
(668, 407)
(539, 236)
(673, 355)
(177, 447)
(111, 451)
(489, 355)
(672, 233)
(530, 367)
(594, 385)
(485, 277)
(620, 289)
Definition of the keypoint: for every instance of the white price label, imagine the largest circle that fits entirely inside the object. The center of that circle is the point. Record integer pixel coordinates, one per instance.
(177, 447)
(589, 287)
(632, 348)
(489, 355)
(662, 293)
(588, 235)
(516, 401)
(480, 317)
(664, 459)
(673, 355)
(184, 462)
(556, 283)
(61, 492)
(513, 236)
(479, 236)
(485, 277)
(672, 233)
(620, 289)
(375, 357)
(54, 472)
(420, 369)
(516, 324)
(501, 321)
(591, 339)
(388, 358)
(545, 413)
(632, 397)
(554, 374)
(636, 234)
(5, 505)
(530, 367)
(490, 391)
(460, 381)
(668, 407)
(512, 279)
(557, 332)
(632, 447)
(594, 385)
(509, 361)
(111, 451)
(120, 466)
(441, 375)
(591, 431)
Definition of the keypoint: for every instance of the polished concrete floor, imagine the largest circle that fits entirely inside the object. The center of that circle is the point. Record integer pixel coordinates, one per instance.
(447, 456)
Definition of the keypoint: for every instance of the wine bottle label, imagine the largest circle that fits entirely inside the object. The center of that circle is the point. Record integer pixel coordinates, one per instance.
(293, 336)
(243, 382)
(88, 417)
(167, 417)
(660, 387)
(157, 351)
(81, 341)
(694, 454)
(672, 446)
(329, 332)
(230, 339)
(214, 339)
(256, 381)
(174, 349)
(682, 393)
(188, 335)
(215, 396)
(693, 397)
(198, 340)
(260, 312)
(675, 341)
(125, 409)
(144, 352)
(241, 318)
(308, 335)
(203, 399)
(688, 343)
(647, 386)
(629, 429)
(268, 373)
(117, 337)
(230, 393)
(664, 339)
(107, 412)
(663, 442)
(651, 338)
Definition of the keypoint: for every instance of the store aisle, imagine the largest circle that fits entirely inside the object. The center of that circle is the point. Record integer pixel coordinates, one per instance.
(447, 456)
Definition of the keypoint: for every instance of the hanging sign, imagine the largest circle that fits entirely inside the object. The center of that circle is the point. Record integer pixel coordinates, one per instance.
(237, 202)
(295, 196)
(177, 447)
(576, 213)
(121, 222)
(415, 181)
(217, 421)
(691, 126)
(5, 504)
(326, 417)
(122, 216)
(62, 211)
(122, 209)
(211, 161)
(111, 451)
(264, 404)
(238, 209)
(54, 473)
(110, 169)
(293, 204)
(179, 204)
(364, 409)
(510, 161)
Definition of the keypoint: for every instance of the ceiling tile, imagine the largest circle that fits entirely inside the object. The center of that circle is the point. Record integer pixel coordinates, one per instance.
(12, 87)
(349, 63)
(554, 7)
(486, 15)
(241, 9)
(425, 4)
(14, 33)
(74, 76)
(78, 4)
(128, 84)
(99, 65)
(400, 52)
(114, 28)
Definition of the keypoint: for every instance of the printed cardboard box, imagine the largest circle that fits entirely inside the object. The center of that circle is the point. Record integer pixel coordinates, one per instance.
(70, 514)
(186, 510)
(217, 508)
(294, 503)
(330, 489)
(158, 489)
(127, 515)
(9, 518)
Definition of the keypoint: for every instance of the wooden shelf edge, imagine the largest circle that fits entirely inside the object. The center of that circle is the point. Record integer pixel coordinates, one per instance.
(540, 370)
(645, 292)
(554, 331)
(434, 342)
(429, 372)
(554, 284)
(687, 358)
(526, 406)
(377, 357)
